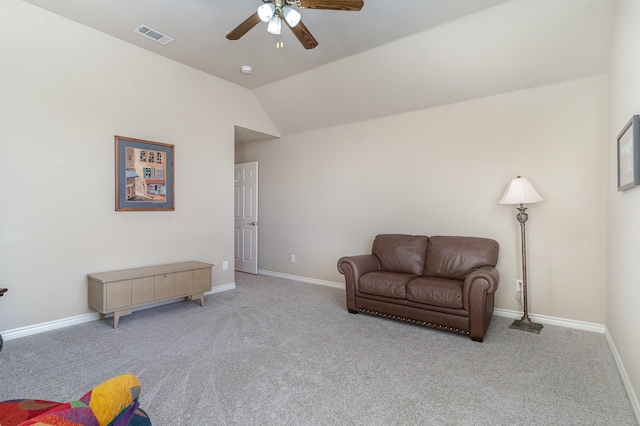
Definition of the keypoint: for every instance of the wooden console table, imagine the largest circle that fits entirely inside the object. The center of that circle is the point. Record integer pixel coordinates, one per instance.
(118, 292)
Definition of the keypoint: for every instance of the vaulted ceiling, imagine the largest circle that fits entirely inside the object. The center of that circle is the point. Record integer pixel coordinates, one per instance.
(391, 57)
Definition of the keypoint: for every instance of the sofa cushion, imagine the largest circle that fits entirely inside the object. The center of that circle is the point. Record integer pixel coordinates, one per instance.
(436, 291)
(401, 253)
(457, 257)
(387, 284)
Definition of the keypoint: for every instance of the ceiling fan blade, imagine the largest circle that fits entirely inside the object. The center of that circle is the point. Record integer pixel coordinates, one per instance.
(244, 27)
(303, 35)
(354, 5)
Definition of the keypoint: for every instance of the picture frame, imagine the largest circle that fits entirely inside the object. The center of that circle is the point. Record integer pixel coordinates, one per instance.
(628, 148)
(144, 175)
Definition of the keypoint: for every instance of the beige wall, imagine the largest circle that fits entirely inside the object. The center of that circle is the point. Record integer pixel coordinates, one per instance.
(623, 278)
(326, 193)
(65, 91)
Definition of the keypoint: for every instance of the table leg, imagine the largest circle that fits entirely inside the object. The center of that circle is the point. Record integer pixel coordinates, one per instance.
(199, 297)
(118, 314)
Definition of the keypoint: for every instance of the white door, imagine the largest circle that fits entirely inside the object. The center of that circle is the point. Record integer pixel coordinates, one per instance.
(246, 217)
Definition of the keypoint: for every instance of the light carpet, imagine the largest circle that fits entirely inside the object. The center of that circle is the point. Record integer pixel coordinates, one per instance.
(280, 352)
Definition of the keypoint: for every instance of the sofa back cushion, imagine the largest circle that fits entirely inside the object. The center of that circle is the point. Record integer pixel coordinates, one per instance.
(401, 253)
(456, 257)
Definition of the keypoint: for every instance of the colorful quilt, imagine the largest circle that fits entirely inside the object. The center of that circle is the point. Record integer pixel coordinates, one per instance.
(112, 403)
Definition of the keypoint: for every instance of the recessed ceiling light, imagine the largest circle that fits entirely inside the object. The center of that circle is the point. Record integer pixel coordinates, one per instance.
(246, 69)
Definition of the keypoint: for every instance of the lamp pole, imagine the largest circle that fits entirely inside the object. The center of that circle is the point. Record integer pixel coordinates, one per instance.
(525, 322)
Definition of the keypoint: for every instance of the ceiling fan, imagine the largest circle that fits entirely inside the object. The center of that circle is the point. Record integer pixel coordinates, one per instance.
(276, 11)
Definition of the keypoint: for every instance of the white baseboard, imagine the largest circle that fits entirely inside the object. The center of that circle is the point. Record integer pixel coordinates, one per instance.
(544, 319)
(633, 398)
(221, 288)
(302, 279)
(93, 316)
(48, 326)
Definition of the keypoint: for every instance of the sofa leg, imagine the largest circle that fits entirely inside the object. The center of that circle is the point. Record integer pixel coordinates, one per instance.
(352, 311)
(476, 339)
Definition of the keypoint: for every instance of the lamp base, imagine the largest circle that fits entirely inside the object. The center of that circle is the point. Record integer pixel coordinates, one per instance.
(527, 325)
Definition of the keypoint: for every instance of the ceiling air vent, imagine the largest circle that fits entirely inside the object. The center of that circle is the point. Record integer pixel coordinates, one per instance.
(154, 35)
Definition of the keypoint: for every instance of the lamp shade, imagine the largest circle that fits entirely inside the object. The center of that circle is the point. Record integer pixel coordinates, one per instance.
(266, 11)
(520, 191)
(275, 25)
(291, 16)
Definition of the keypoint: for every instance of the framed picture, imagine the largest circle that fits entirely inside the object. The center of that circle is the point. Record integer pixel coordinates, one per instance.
(629, 155)
(144, 175)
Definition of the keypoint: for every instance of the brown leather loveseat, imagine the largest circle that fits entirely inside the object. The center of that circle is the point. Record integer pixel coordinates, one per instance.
(442, 282)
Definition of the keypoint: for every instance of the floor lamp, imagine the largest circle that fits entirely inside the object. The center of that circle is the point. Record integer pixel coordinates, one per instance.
(521, 191)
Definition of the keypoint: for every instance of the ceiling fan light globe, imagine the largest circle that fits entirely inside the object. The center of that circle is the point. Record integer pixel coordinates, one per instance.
(275, 25)
(266, 12)
(291, 15)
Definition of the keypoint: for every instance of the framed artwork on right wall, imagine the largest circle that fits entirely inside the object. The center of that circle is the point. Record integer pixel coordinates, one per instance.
(629, 155)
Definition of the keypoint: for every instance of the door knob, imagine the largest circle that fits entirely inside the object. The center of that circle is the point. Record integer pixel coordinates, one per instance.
(252, 224)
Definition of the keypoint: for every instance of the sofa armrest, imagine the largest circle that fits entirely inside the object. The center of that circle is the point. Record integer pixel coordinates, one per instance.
(353, 267)
(488, 273)
(358, 265)
(478, 289)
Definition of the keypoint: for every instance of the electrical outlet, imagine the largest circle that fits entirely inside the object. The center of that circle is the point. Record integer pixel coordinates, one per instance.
(518, 284)
(225, 265)
(293, 258)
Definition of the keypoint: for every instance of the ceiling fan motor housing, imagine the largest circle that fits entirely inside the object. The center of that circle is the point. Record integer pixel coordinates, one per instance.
(282, 3)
